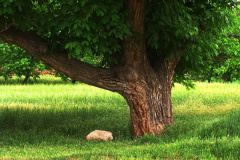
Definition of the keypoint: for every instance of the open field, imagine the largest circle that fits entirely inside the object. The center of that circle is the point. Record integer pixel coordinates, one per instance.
(51, 121)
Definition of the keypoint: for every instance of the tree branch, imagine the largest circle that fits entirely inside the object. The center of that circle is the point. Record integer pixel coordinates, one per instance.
(73, 68)
(7, 26)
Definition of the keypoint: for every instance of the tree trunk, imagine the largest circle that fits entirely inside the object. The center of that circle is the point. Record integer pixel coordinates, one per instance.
(148, 94)
(210, 75)
(26, 79)
(150, 106)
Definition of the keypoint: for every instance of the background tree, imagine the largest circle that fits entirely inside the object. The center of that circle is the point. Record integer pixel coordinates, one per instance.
(15, 61)
(141, 43)
(222, 61)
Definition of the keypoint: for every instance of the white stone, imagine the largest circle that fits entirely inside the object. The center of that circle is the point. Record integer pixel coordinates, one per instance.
(99, 135)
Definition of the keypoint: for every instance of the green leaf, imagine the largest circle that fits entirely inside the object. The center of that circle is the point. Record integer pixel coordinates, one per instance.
(85, 43)
(67, 45)
(187, 58)
(78, 49)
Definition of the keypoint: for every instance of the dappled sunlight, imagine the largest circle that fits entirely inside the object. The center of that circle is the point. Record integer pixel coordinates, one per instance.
(213, 98)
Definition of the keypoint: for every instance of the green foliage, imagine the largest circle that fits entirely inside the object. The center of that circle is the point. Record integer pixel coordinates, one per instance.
(218, 59)
(201, 29)
(171, 24)
(89, 28)
(15, 61)
(93, 31)
(82, 28)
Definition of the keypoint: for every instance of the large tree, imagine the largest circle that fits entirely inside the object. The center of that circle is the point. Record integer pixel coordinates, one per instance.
(139, 42)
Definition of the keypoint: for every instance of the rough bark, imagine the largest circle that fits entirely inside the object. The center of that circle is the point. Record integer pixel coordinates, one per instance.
(146, 90)
(148, 94)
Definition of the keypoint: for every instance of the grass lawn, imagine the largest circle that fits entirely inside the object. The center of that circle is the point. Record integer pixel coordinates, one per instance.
(50, 120)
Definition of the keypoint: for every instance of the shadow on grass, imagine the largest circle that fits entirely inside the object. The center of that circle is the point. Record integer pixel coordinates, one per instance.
(226, 126)
(34, 125)
(42, 124)
(65, 130)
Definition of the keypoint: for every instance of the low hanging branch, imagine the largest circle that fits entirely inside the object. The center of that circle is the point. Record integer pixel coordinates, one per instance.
(73, 68)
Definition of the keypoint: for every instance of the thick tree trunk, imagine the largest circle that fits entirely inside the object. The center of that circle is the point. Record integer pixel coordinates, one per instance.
(150, 105)
(148, 94)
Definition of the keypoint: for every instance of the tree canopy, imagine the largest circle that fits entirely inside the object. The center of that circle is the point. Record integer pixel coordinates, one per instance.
(90, 28)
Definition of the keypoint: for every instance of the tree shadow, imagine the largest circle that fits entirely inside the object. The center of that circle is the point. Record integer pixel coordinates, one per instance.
(225, 126)
(42, 124)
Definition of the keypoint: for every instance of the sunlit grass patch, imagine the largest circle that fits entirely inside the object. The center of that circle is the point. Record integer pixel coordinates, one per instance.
(208, 94)
(201, 109)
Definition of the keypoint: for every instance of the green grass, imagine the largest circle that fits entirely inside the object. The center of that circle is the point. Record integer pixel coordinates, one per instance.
(50, 120)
